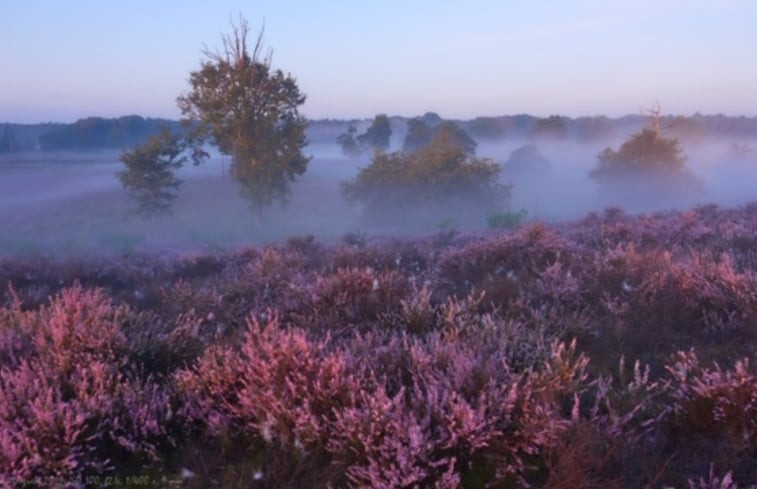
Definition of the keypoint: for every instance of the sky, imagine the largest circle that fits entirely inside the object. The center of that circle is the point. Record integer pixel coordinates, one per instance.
(64, 60)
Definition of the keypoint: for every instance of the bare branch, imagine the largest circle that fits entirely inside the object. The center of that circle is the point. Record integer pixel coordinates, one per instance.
(654, 116)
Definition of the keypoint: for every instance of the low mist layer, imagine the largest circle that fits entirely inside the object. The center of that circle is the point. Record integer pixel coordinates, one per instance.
(72, 203)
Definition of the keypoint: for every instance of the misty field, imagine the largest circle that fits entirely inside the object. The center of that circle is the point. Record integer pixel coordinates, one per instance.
(69, 203)
(72, 203)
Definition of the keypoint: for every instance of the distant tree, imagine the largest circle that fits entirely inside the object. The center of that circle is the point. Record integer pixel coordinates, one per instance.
(526, 160)
(553, 127)
(251, 112)
(686, 129)
(98, 133)
(487, 128)
(377, 136)
(432, 119)
(439, 176)
(149, 176)
(593, 128)
(349, 144)
(418, 136)
(644, 153)
(648, 170)
(8, 142)
(449, 134)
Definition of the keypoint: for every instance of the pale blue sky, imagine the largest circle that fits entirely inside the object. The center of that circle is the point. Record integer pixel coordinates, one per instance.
(63, 60)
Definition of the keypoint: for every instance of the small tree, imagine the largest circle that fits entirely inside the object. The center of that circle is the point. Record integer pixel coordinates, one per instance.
(377, 136)
(149, 177)
(349, 144)
(250, 111)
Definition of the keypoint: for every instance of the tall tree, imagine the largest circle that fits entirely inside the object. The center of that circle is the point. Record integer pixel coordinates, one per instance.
(250, 112)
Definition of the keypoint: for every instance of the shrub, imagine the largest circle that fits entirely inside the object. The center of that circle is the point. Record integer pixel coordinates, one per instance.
(645, 152)
(647, 167)
(441, 365)
(715, 402)
(438, 177)
(73, 405)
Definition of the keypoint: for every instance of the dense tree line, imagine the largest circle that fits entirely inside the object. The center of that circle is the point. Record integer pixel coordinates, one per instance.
(23, 137)
(100, 133)
(122, 132)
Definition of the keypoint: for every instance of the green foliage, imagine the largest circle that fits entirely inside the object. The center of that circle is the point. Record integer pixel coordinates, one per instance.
(377, 136)
(349, 144)
(100, 133)
(149, 176)
(487, 128)
(507, 220)
(526, 160)
(8, 143)
(553, 127)
(438, 175)
(450, 135)
(419, 135)
(431, 118)
(250, 111)
(593, 128)
(644, 153)
(687, 129)
(648, 169)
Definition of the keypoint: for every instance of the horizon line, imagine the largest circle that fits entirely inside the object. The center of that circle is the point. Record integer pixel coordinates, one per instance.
(399, 116)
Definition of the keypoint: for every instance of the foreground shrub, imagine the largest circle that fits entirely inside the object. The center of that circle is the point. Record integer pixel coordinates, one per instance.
(72, 405)
(715, 402)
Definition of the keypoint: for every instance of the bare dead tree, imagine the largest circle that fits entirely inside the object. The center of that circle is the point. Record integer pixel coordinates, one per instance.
(654, 116)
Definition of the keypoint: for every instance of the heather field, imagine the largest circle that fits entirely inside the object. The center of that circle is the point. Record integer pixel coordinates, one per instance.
(611, 351)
